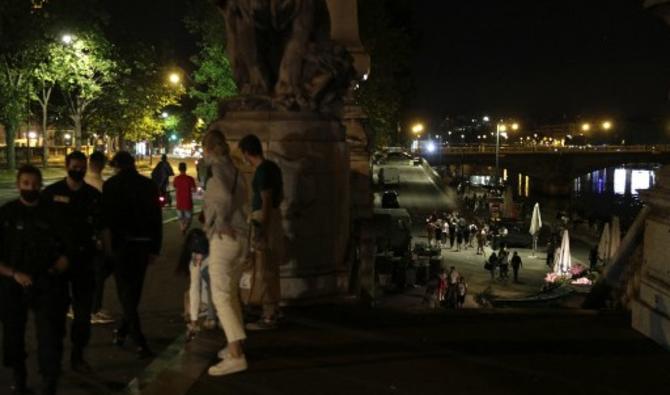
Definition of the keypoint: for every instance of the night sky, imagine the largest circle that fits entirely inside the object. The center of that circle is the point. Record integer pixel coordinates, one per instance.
(541, 59)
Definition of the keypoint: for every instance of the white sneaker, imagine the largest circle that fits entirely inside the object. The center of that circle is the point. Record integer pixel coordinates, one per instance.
(223, 353)
(228, 366)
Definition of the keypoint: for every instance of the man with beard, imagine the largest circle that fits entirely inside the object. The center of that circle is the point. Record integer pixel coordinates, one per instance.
(75, 207)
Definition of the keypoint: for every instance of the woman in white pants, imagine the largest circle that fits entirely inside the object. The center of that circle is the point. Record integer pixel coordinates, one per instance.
(226, 228)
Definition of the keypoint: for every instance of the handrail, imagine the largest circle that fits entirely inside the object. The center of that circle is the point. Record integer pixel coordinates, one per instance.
(487, 149)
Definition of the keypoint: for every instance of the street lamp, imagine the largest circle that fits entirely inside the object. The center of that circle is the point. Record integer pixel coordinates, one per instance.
(607, 125)
(174, 78)
(417, 128)
(164, 115)
(501, 129)
(67, 39)
(586, 127)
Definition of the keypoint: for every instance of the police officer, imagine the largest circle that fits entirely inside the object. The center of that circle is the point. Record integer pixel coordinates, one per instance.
(133, 235)
(76, 208)
(31, 267)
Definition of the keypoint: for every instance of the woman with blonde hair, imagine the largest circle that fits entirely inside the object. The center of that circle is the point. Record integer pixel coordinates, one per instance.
(226, 228)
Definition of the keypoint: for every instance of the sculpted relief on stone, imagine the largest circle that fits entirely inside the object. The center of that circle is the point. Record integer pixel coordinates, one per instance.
(282, 55)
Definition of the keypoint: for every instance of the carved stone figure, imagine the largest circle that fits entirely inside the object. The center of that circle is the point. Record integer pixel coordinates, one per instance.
(282, 55)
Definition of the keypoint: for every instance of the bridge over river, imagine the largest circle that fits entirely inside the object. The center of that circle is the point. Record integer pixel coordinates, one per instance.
(554, 168)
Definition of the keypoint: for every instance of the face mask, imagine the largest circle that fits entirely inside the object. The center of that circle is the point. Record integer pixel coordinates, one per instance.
(76, 175)
(29, 195)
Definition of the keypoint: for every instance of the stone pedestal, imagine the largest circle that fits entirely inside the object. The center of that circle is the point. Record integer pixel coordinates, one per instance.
(651, 308)
(314, 157)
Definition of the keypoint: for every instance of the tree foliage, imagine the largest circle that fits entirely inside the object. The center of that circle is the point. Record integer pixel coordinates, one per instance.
(213, 77)
(388, 41)
(19, 28)
(85, 69)
(131, 108)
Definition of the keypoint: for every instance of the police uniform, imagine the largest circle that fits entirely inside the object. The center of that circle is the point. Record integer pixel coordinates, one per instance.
(29, 244)
(132, 214)
(76, 215)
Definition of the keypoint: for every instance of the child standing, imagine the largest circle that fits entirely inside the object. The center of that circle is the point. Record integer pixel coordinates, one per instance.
(193, 261)
(184, 186)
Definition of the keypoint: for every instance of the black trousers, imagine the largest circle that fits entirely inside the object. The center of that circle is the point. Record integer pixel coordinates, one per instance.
(103, 269)
(82, 288)
(130, 266)
(48, 299)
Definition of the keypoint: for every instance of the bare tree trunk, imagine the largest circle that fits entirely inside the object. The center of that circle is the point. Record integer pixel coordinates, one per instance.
(10, 135)
(76, 119)
(45, 138)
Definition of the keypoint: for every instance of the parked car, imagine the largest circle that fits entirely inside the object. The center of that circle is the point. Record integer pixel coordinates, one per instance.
(390, 199)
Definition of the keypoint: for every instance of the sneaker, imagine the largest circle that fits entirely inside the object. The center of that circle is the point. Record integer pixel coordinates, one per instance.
(228, 366)
(223, 353)
(261, 325)
(101, 318)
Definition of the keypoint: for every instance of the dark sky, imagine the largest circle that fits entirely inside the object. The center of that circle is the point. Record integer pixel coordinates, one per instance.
(540, 59)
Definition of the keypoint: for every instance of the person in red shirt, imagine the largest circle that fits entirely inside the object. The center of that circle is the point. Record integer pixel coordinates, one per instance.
(184, 186)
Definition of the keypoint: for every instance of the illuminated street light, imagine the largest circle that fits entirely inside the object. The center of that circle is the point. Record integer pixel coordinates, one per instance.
(164, 114)
(586, 127)
(67, 39)
(486, 118)
(515, 126)
(67, 136)
(32, 135)
(607, 125)
(417, 128)
(174, 78)
(502, 128)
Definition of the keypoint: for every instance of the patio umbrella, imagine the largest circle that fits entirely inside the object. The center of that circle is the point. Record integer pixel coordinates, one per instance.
(604, 244)
(563, 259)
(615, 236)
(535, 225)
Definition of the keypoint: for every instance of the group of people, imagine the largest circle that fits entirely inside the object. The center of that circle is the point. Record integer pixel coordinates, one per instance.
(58, 246)
(451, 230)
(234, 232)
(451, 289)
(501, 262)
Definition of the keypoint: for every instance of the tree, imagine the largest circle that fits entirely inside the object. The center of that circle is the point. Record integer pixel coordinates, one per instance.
(213, 76)
(44, 81)
(214, 79)
(18, 31)
(387, 39)
(131, 108)
(85, 69)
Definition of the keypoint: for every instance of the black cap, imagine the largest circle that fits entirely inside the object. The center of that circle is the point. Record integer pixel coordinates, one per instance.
(123, 160)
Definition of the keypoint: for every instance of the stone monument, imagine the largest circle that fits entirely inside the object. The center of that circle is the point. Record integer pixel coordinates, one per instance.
(294, 79)
(651, 303)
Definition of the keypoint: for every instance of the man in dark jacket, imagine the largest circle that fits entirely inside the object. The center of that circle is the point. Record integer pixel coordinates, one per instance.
(161, 176)
(75, 207)
(31, 267)
(133, 236)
